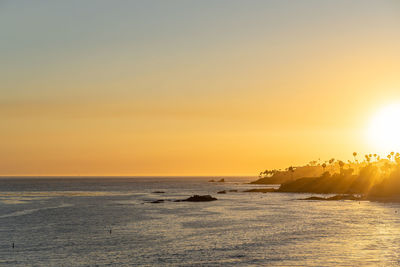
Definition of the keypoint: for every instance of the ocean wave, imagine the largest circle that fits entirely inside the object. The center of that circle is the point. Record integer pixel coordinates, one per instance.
(30, 211)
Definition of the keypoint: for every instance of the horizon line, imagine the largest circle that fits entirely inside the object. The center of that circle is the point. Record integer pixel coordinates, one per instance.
(123, 176)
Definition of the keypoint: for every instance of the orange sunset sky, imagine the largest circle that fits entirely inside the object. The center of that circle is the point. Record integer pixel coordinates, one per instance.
(191, 87)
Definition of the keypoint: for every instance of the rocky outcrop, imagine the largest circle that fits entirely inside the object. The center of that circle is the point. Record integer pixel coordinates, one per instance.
(261, 190)
(157, 201)
(198, 198)
(337, 197)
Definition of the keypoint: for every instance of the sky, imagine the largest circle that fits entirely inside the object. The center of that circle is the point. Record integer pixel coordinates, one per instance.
(191, 87)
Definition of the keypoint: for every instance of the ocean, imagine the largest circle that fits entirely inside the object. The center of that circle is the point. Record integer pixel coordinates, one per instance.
(112, 222)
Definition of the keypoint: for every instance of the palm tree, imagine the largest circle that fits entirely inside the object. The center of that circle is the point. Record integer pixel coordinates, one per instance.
(341, 165)
(355, 156)
(397, 158)
(291, 169)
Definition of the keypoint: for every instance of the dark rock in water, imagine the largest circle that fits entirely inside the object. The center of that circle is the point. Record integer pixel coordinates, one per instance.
(233, 190)
(261, 190)
(313, 198)
(221, 192)
(212, 181)
(344, 197)
(337, 197)
(158, 192)
(157, 201)
(197, 198)
(221, 180)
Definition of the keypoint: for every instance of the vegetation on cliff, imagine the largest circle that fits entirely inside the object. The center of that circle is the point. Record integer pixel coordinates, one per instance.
(374, 178)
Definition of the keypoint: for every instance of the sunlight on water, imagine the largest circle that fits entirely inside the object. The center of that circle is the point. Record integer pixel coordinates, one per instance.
(71, 228)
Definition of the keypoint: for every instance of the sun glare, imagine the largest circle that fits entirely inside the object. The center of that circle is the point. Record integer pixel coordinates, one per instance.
(384, 129)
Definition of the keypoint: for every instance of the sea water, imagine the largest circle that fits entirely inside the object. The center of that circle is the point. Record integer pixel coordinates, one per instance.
(112, 222)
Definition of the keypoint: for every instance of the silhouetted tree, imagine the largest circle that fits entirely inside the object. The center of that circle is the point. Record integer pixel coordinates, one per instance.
(341, 165)
(355, 156)
(291, 170)
(323, 166)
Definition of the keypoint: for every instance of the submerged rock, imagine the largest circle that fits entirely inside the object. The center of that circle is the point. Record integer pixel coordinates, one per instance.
(260, 190)
(157, 201)
(212, 181)
(233, 190)
(221, 192)
(313, 198)
(337, 197)
(345, 197)
(221, 180)
(158, 192)
(198, 198)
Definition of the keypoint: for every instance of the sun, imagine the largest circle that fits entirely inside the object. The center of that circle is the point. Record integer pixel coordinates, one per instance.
(383, 131)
